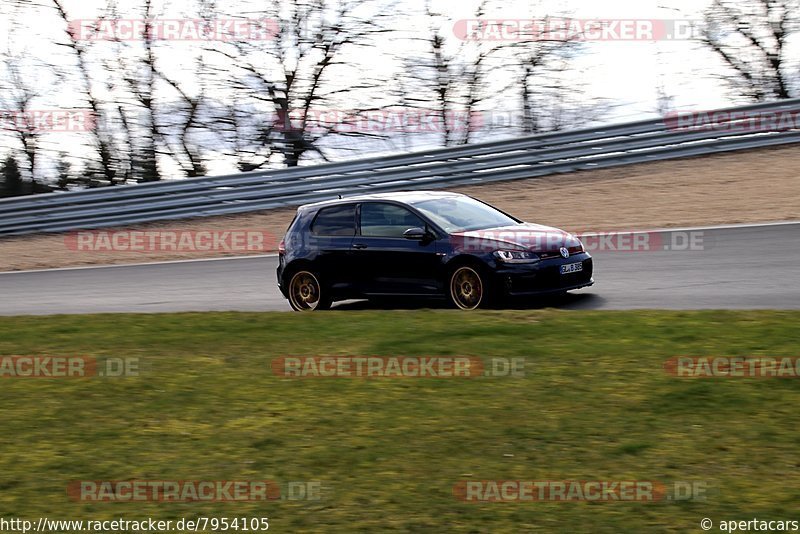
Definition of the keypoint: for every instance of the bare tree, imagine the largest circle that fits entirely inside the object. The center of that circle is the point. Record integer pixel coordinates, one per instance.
(751, 37)
(107, 155)
(11, 183)
(448, 77)
(155, 126)
(664, 100)
(239, 122)
(551, 91)
(528, 78)
(22, 97)
(18, 102)
(552, 96)
(186, 120)
(141, 80)
(294, 71)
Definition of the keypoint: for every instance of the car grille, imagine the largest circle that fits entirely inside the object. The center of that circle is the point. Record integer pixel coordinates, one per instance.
(550, 254)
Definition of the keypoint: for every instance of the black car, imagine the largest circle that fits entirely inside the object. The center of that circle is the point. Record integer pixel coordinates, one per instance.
(423, 244)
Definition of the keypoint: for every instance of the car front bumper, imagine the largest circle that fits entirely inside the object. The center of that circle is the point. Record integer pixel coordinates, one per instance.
(544, 277)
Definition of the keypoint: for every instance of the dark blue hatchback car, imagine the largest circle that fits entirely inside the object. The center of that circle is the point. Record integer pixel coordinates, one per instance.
(423, 244)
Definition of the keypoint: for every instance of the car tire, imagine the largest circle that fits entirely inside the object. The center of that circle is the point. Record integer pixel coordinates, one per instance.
(468, 287)
(306, 293)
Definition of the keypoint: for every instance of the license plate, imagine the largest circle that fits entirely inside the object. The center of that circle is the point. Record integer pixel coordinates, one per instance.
(571, 268)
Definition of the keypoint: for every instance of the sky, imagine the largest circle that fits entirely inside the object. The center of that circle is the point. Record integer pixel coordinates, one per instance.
(629, 71)
(625, 74)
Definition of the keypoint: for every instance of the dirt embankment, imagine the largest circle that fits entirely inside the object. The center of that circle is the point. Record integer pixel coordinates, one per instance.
(741, 187)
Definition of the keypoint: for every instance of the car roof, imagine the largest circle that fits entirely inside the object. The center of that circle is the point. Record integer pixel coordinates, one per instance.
(406, 197)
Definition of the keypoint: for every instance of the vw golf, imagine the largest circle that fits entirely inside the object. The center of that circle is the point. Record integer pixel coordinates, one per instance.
(423, 244)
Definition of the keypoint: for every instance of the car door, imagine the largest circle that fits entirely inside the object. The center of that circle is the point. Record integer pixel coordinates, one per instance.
(386, 261)
(331, 236)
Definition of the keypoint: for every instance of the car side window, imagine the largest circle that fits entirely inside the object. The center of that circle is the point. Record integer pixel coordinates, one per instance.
(335, 221)
(387, 220)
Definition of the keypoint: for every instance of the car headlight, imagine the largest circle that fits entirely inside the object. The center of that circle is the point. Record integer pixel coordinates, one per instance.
(516, 256)
(574, 242)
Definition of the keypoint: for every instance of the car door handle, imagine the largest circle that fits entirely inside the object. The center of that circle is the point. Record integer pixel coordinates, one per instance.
(359, 246)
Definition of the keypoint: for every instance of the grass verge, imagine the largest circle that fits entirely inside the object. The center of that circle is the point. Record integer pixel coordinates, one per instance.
(595, 404)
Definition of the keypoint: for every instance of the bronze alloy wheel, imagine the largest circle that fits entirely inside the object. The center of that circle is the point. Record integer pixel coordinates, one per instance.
(305, 293)
(466, 288)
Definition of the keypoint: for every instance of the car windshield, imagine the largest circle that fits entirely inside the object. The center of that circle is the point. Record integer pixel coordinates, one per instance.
(460, 214)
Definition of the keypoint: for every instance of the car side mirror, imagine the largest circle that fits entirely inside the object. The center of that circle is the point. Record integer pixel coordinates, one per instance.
(416, 233)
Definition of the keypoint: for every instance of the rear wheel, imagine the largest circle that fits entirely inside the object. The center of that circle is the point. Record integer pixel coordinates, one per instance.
(306, 293)
(467, 288)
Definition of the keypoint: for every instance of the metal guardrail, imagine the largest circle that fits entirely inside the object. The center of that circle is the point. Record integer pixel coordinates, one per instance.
(528, 157)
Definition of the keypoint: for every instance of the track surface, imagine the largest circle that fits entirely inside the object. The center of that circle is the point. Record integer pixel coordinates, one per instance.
(739, 268)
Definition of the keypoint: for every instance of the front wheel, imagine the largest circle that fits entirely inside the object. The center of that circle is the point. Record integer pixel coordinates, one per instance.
(306, 293)
(467, 288)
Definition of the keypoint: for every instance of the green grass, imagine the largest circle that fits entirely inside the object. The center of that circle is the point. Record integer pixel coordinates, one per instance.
(595, 404)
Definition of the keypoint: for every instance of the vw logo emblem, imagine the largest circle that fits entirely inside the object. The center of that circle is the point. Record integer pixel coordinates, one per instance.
(564, 252)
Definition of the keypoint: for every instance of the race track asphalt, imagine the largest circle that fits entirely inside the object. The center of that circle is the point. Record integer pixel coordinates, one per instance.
(747, 267)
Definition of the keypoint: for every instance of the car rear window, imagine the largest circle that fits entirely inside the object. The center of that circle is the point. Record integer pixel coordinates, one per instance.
(336, 220)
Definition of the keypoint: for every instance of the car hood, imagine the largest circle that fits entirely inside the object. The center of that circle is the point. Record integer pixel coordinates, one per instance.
(527, 236)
